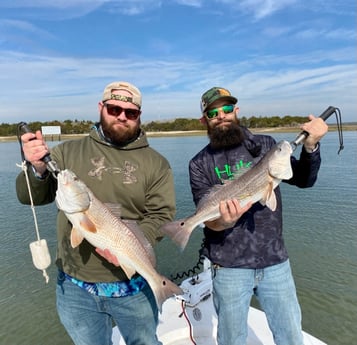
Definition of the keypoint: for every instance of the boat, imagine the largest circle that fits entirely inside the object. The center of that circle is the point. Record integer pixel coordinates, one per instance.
(191, 319)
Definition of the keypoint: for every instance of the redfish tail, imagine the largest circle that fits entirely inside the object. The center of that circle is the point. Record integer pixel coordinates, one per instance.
(163, 290)
(179, 231)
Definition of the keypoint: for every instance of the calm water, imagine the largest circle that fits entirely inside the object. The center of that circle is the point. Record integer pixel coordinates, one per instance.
(320, 232)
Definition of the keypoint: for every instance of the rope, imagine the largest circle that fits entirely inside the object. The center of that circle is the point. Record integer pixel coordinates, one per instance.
(40, 255)
(339, 128)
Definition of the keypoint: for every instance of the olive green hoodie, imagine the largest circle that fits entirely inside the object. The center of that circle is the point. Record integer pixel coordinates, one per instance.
(134, 176)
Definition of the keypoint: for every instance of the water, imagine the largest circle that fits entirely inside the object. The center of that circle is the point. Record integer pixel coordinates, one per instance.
(319, 225)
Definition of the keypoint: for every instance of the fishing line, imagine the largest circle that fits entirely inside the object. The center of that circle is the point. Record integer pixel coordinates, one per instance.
(39, 250)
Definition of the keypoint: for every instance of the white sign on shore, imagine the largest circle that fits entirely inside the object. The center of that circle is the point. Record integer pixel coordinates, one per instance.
(51, 130)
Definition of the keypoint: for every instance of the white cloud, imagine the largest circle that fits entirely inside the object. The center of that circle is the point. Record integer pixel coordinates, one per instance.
(15, 27)
(259, 8)
(335, 34)
(55, 4)
(62, 88)
(54, 10)
(191, 3)
(43, 80)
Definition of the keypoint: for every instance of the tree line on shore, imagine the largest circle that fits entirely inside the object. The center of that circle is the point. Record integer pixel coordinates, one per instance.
(179, 124)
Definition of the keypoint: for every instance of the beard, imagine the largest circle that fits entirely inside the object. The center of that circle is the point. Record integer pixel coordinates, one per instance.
(119, 137)
(225, 137)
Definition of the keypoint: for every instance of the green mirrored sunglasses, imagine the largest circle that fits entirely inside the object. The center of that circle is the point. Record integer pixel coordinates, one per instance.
(227, 109)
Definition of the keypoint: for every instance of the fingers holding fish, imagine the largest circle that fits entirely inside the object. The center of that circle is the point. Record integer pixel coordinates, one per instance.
(230, 211)
(106, 254)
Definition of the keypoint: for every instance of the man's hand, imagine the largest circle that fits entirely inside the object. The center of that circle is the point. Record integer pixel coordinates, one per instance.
(316, 128)
(230, 211)
(108, 256)
(35, 148)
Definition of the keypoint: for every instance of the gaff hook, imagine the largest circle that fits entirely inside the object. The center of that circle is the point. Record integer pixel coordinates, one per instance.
(325, 115)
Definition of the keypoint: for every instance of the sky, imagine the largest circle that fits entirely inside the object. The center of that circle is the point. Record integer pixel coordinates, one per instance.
(278, 57)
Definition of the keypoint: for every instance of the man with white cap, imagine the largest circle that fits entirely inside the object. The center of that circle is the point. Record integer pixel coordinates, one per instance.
(117, 164)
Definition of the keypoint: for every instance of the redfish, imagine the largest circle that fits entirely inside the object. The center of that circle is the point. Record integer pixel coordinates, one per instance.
(94, 221)
(255, 185)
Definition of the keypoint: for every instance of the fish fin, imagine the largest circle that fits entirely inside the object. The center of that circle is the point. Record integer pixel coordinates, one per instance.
(270, 197)
(162, 289)
(87, 224)
(178, 232)
(76, 238)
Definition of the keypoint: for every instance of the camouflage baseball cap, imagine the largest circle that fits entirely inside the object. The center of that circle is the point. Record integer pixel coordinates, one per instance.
(213, 95)
(122, 85)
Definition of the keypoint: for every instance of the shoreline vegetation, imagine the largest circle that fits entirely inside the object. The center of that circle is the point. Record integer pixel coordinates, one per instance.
(158, 134)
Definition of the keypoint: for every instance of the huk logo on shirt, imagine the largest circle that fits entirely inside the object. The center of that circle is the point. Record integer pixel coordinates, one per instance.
(230, 172)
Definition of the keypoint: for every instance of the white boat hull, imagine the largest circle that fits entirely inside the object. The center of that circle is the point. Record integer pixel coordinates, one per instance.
(192, 316)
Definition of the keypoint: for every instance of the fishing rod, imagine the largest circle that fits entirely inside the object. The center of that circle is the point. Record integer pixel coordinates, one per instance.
(51, 165)
(324, 116)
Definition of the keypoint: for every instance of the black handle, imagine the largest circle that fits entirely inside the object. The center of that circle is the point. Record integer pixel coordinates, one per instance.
(328, 112)
(24, 128)
(303, 135)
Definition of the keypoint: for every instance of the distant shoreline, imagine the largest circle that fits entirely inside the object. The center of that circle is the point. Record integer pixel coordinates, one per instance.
(332, 128)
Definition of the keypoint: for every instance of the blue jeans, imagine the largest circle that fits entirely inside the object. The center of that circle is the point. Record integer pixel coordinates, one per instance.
(274, 288)
(88, 318)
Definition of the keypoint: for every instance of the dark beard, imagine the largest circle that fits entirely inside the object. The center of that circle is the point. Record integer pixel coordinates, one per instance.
(225, 137)
(119, 138)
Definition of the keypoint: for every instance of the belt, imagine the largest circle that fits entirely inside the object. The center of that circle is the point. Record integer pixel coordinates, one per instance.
(110, 289)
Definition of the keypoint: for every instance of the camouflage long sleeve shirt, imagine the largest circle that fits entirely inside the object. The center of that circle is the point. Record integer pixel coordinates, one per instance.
(256, 240)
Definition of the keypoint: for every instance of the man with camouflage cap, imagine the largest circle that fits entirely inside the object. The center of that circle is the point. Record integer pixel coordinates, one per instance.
(245, 245)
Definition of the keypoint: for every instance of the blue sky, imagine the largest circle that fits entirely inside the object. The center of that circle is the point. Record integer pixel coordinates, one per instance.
(279, 57)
